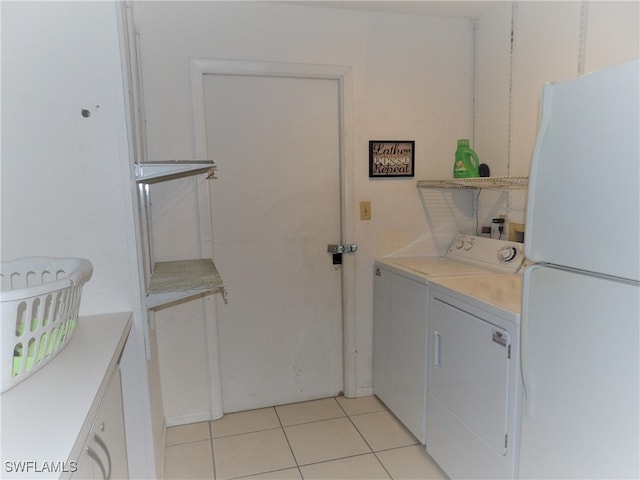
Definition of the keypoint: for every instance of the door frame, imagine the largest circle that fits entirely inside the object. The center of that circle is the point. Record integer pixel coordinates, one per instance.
(344, 76)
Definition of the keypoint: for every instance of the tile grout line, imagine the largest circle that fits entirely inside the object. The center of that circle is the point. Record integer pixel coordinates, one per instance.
(346, 415)
(365, 441)
(382, 465)
(314, 421)
(259, 473)
(281, 428)
(340, 458)
(284, 432)
(186, 442)
(243, 433)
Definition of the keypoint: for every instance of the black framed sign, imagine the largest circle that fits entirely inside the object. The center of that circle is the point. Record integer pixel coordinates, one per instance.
(391, 158)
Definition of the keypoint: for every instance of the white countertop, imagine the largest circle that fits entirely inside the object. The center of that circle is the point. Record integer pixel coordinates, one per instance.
(47, 417)
(434, 266)
(500, 291)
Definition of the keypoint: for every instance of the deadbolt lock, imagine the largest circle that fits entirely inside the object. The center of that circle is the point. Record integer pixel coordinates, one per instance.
(350, 248)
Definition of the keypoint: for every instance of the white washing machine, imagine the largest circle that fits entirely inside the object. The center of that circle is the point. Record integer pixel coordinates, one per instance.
(401, 311)
(474, 386)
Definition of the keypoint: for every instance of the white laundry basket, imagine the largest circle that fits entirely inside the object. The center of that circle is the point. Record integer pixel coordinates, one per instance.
(40, 299)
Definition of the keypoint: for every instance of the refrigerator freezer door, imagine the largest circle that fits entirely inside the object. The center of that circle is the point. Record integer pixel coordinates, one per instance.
(579, 359)
(584, 196)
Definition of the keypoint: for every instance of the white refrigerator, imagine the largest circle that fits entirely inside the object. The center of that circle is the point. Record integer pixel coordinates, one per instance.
(581, 303)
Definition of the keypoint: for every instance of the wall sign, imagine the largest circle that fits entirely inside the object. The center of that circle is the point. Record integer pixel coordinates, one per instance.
(391, 158)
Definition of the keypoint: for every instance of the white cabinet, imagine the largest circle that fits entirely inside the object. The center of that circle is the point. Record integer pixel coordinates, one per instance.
(399, 345)
(104, 454)
(75, 402)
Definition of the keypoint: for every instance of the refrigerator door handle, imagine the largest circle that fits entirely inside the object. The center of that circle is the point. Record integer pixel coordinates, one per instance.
(525, 358)
(436, 349)
(543, 122)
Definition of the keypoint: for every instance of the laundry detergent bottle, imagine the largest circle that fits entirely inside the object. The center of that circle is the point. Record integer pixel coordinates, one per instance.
(467, 163)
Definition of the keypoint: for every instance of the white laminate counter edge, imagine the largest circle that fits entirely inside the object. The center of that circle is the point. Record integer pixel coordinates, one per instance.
(46, 418)
(389, 263)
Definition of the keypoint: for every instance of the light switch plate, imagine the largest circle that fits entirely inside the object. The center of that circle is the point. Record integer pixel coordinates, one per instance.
(365, 210)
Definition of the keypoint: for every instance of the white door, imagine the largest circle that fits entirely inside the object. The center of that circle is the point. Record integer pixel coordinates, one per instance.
(275, 207)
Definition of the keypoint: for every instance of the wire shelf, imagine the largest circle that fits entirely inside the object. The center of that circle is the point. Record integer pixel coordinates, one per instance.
(492, 183)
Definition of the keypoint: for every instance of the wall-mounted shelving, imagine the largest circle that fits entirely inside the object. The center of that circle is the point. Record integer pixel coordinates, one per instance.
(173, 281)
(152, 172)
(489, 183)
(178, 280)
(457, 200)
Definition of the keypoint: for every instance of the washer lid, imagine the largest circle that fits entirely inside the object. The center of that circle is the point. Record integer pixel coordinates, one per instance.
(435, 266)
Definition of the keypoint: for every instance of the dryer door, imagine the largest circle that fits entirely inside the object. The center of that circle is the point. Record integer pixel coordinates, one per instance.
(468, 376)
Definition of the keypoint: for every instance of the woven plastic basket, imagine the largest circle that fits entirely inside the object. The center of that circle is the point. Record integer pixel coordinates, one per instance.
(40, 302)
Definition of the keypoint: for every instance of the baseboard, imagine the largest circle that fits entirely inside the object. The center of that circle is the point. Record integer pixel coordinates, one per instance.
(185, 419)
(364, 391)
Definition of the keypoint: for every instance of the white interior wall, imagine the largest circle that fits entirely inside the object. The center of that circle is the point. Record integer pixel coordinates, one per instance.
(493, 62)
(553, 41)
(63, 175)
(65, 179)
(539, 57)
(406, 86)
(612, 34)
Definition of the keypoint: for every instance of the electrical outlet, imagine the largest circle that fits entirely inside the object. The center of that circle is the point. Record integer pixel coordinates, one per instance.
(365, 210)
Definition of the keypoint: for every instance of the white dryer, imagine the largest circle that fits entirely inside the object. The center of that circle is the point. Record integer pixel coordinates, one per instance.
(474, 385)
(401, 311)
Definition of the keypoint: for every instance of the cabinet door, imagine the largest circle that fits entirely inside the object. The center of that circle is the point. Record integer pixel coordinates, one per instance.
(104, 455)
(84, 466)
(109, 434)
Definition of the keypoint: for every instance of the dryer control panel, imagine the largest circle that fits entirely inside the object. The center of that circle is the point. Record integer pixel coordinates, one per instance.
(497, 255)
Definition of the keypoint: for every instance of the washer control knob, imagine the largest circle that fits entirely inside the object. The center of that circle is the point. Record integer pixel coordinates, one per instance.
(459, 244)
(468, 243)
(507, 254)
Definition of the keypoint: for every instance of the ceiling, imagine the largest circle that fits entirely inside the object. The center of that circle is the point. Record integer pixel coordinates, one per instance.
(433, 8)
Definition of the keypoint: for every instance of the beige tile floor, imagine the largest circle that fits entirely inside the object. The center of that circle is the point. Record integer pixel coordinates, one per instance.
(332, 438)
